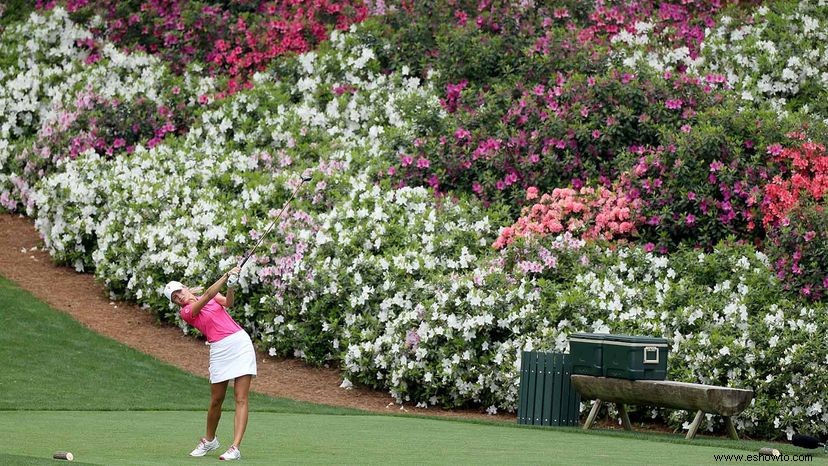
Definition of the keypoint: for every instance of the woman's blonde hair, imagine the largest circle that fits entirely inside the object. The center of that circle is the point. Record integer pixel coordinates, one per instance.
(196, 290)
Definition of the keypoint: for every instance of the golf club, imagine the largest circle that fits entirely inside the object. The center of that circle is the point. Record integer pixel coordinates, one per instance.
(233, 279)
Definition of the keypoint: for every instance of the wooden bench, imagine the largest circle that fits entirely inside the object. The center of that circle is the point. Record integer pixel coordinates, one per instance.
(703, 399)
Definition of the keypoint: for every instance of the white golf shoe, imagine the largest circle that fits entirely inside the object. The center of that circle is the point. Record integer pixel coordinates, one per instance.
(232, 453)
(205, 447)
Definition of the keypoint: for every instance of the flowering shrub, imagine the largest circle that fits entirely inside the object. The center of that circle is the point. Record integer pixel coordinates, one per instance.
(564, 132)
(237, 38)
(40, 60)
(777, 54)
(109, 105)
(706, 184)
(794, 213)
(588, 213)
(373, 249)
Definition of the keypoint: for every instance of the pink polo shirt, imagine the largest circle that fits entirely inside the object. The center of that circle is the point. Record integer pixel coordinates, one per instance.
(213, 320)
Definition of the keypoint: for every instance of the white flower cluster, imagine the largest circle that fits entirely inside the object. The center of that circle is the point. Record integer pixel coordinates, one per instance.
(777, 54)
(51, 83)
(642, 48)
(178, 209)
(780, 56)
(47, 68)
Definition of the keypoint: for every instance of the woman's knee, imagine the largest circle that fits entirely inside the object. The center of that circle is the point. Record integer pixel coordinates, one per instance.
(216, 401)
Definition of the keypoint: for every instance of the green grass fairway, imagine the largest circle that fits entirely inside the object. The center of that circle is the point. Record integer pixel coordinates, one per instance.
(165, 437)
(66, 388)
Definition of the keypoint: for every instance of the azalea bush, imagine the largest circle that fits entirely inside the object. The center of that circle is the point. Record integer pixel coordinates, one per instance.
(706, 183)
(564, 132)
(234, 38)
(109, 105)
(794, 213)
(376, 248)
(587, 213)
(776, 54)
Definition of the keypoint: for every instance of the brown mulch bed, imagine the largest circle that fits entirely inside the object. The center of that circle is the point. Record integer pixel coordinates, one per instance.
(79, 295)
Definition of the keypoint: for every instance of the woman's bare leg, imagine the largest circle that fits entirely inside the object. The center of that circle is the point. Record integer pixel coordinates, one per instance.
(241, 388)
(218, 390)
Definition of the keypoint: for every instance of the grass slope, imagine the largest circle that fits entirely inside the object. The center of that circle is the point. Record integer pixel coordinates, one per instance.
(52, 362)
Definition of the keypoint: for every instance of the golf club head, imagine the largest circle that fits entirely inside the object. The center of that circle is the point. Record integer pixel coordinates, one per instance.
(306, 178)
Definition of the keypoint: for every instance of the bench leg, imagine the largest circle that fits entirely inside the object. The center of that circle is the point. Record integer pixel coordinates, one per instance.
(622, 413)
(731, 429)
(694, 427)
(596, 405)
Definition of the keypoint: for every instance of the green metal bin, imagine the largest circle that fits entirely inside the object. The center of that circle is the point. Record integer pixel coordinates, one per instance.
(546, 395)
(586, 352)
(635, 357)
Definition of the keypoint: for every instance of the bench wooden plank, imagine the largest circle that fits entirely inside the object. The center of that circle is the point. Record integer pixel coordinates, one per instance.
(724, 401)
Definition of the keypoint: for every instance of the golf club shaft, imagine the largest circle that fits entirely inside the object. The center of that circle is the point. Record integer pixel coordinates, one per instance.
(272, 224)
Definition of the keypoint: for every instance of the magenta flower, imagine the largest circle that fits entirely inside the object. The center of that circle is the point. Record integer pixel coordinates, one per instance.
(673, 104)
(775, 149)
(423, 163)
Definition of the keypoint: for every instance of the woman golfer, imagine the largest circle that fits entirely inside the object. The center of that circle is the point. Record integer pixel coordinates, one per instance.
(231, 356)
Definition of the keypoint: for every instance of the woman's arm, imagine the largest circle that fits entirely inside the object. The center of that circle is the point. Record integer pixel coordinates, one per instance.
(212, 292)
(228, 301)
(208, 295)
(225, 301)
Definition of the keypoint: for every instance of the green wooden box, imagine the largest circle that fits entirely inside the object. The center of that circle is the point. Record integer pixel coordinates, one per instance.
(586, 353)
(635, 357)
(546, 395)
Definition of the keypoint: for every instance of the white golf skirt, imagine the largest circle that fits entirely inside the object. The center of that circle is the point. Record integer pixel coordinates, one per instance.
(232, 356)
